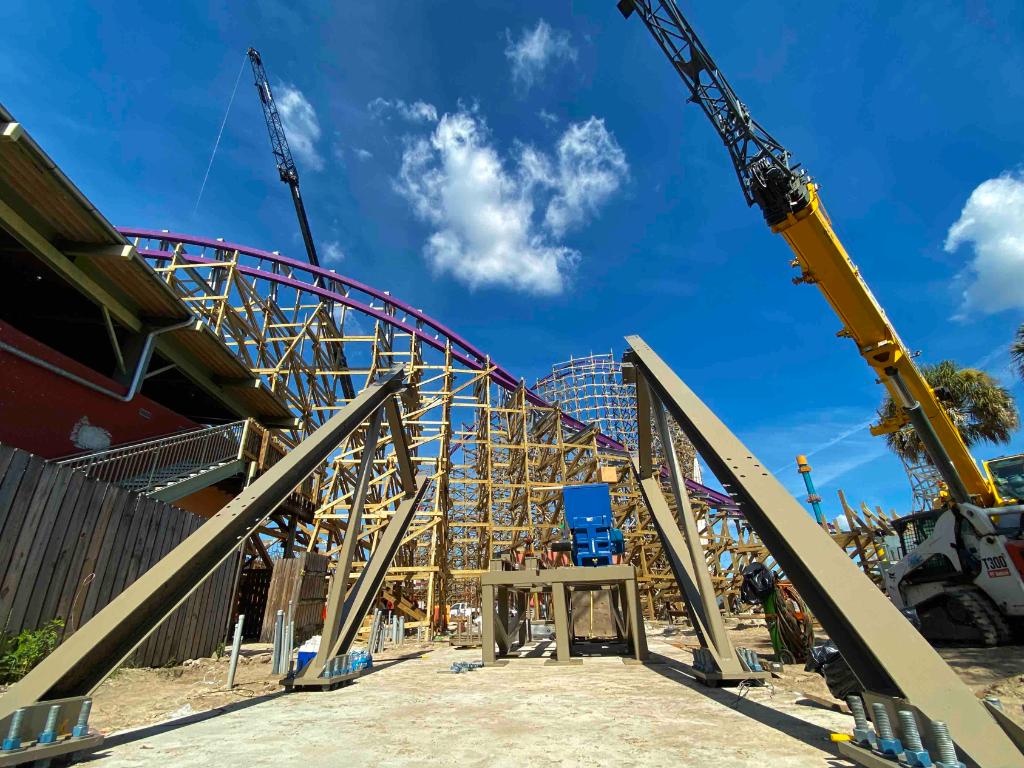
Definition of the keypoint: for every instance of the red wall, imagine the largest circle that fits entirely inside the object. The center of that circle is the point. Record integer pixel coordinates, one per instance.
(51, 416)
(205, 502)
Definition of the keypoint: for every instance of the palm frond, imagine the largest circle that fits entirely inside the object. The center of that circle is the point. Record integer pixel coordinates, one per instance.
(1017, 352)
(981, 409)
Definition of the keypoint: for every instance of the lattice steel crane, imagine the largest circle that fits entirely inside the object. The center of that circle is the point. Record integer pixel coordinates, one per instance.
(282, 152)
(789, 201)
(979, 539)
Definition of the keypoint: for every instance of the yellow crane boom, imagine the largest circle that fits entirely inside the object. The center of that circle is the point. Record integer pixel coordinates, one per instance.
(790, 204)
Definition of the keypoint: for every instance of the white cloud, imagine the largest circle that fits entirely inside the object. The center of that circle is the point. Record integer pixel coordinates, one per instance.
(590, 168)
(487, 231)
(535, 49)
(333, 252)
(300, 124)
(547, 117)
(840, 522)
(992, 223)
(362, 154)
(416, 112)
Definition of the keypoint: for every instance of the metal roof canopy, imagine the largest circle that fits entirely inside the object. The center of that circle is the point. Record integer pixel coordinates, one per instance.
(51, 218)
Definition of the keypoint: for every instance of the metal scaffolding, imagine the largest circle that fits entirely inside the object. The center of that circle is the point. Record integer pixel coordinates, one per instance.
(591, 390)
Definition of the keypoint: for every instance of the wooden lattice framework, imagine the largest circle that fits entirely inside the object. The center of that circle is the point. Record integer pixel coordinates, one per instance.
(497, 455)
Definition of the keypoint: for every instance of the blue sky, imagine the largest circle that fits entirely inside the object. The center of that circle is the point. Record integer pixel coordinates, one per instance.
(530, 174)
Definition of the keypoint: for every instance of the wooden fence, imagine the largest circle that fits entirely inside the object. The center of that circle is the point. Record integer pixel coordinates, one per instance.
(301, 581)
(251, 599)
(69, 545)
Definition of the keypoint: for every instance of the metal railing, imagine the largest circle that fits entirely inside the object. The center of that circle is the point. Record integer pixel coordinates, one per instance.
(153, 464)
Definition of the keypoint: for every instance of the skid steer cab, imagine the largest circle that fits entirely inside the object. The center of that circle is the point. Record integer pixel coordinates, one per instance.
(962, 570)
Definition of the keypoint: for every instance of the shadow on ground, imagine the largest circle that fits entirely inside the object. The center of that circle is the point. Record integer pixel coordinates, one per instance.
(145, 732)
(734, 698)
(1006, 661)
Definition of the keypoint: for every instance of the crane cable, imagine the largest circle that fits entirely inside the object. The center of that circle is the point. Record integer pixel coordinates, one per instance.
(220, 133)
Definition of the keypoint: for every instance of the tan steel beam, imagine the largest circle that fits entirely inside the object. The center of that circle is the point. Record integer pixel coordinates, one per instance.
(85, 659)
(401, 443)
(343, 568)
(361, 596)
(882, 648)
(488, 637)
(563, 630)
(682, 567)
(718, 638)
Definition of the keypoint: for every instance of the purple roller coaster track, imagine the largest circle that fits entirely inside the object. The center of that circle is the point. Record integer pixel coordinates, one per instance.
(161, 246)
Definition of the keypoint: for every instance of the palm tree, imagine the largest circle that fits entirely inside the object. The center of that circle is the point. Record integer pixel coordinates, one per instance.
(1017, 352)
(980, 408)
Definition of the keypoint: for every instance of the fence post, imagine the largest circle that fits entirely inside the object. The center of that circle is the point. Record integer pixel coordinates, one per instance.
(235, 647)
(278, 642)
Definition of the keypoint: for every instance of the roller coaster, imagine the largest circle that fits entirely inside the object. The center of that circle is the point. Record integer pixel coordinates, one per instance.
(497, 452)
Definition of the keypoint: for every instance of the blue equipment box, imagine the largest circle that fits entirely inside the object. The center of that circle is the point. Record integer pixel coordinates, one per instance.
(588, 516)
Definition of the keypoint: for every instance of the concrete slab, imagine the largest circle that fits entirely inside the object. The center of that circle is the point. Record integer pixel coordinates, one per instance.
(601, 713)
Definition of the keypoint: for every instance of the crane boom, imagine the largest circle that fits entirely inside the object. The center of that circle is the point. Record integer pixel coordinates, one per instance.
(789, 201)
(282, 152)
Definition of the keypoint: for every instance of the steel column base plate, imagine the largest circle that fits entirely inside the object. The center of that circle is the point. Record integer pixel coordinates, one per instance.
(45, 752)
(864, 757)
(321, 683)
(725, 679)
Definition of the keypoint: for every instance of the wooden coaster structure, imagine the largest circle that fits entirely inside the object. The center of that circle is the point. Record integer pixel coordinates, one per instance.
(864, 539)
(496, 454)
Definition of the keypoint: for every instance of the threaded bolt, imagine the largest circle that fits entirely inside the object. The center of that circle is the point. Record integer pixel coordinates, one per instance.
(911, 736)
(49, 734)
(860, 717)
(882, 724)
(82, 728)
(947, 752)
(15, 729)
(13, 740)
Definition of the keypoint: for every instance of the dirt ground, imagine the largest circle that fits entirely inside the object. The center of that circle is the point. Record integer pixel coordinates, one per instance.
(139, 697)
(995, 672)
(523, 713)
(134, 697)
(415, 710)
